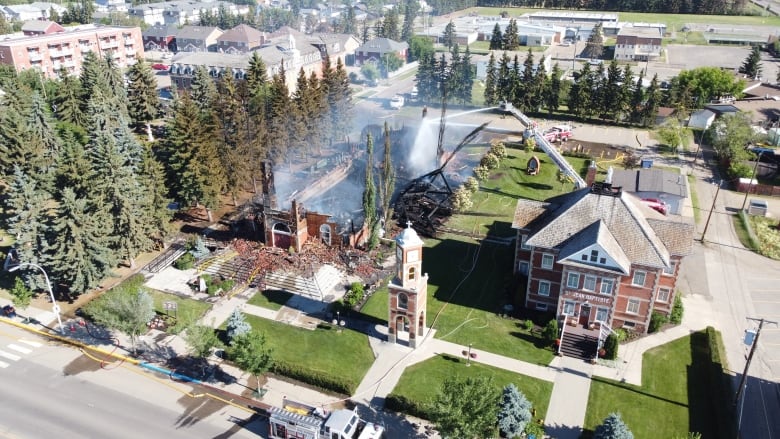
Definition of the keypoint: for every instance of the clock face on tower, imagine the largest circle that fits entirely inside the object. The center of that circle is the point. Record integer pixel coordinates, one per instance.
(413, 256)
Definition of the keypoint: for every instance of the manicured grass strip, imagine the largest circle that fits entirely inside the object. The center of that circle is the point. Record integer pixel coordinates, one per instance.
(326, 358)
(682, 390)
(187, 310)
(421, 382)
(694, 198)
(376, 305)
(271, 299)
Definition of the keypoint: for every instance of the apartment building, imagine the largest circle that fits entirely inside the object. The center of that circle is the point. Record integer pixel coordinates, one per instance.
(638, 44)
(64, 51)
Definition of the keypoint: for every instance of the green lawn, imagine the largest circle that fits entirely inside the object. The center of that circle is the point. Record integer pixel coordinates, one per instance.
(422, 381)
(677, 394)
(271, 299)
(188, 310)
(322, 355)
(694, 198)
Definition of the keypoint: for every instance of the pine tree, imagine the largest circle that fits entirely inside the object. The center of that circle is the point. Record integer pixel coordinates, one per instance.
(511, 36)
(339, 100)
(78, 248)
(319, 112)
(612, 91)
(505, 85)
(67, 101)
(278, 136)
(387, 178)
(92, 79)
(203, 89)
(751, 67)
(231, 123)
(448, 37)
(300, 116)
(427, 87)
(466, 78)
(390, 25)
(613, 427)
(42, 133)
(411, 8)
(16, 147)
(538, 86)
(594, 47)
(625, 94)
(552, 94)
(257, 80)
(497, 39)
(580, 93)
(237, 325)
(151, 176)
(195, 173)
(491, 82)
(27, 212)
(143, 102)
(653, 101)
(637, 100)
(514, 412)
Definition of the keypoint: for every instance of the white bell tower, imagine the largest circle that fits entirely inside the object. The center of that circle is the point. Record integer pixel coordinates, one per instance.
(408, 292)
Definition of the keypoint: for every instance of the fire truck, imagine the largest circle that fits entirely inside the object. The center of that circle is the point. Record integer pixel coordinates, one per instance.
(558, 133)
(300, 421)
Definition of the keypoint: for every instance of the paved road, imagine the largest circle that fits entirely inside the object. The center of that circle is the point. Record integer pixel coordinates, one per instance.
(53, 391)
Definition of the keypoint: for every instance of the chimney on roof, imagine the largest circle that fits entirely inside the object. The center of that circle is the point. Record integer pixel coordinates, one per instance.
(605, 188)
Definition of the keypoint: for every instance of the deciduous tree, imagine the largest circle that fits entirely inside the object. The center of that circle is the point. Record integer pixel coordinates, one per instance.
(466, 407)
(250, 353)
(123, 310)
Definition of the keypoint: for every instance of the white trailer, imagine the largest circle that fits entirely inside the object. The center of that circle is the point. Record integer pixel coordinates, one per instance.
(300, 421)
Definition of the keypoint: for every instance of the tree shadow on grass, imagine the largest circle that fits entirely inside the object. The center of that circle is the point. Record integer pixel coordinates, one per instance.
(710, 410)
(538, 342)
(536, 186)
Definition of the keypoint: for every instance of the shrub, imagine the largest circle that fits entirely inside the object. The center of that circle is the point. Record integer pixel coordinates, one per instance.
(461, 199)
(472, 184)
(657, 320)
(621, 334)
(677, 310)
(481, 172)
(528, 324)
(334, 383)
(529, 144)
(534, 428)
(402, 404)
(550, 332)
(740, 170)
(354, 295)
(185, 261)
(611, 347)
(490, 161)
(499, 150)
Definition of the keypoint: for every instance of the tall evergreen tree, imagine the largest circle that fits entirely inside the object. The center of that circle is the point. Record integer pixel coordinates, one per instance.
(491, 82)
(411, 9)
(67, 101)
(339, 100)
(387, 178)
(448, 37)
(637, 100)
(231, 122)
(195, 173)
(466, 78)
(613, 427)
(553, 90)
(203, 89)
(511, 40)
(369, 190)
(78, 246)
(497, 39)
(427, 87)
(580, 93)
(155, 202)
(594, 47)
(612, 90)
(653, 101)
(504, 88)
(278, 139)
(143, 102)
(390, 24)
(74, 169)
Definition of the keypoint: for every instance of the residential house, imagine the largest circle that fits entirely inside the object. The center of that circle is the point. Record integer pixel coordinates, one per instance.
(373, 50)
(41, 27)
(280, 51)
(240, 39)
(197, 39)
(111, 6)
(336, 46)
(150, 13)
(701, 119)
(638, 44)
(599, 256)
(182, 12)
(160, 37)
(670, 187)
(33, 11)
(53, 53)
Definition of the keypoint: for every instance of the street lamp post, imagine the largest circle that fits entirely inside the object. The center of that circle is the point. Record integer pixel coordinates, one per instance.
(752, 176)
(55, 307)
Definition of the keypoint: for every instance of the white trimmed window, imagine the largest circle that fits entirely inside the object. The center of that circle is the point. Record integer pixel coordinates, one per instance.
(633, 306)
(568, 308)
(639, 278)
(523, 245)
(541, 306)
(669, 271)
(664, 294)
(601, 314)
(544, 288)
(606, 286)
(589, 284)
(547, 261)
(573, 280)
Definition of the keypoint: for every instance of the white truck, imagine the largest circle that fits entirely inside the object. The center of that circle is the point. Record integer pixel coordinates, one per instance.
(300, 421)
(397, 102)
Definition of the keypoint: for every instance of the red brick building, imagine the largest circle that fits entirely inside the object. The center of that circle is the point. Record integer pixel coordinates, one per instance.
(599, 255)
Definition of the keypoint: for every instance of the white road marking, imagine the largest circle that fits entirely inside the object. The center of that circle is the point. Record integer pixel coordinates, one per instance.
(18, 348)
(34, 344)
(11, 357)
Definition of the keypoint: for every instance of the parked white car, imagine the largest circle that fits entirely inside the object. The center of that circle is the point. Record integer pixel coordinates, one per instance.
(397, 102)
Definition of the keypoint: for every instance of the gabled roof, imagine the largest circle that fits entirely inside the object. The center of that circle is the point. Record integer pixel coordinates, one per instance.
(242, 34)
(596, 233)
(651, 180)
(40, 26)
(160, 31)
(382, 45)
(196, 32)
(562, 221)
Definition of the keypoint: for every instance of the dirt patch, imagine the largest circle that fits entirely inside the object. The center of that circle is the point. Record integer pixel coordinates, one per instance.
(596, 150)
(85, 364)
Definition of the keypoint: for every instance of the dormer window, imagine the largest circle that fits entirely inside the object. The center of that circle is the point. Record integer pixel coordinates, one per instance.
(594, 255)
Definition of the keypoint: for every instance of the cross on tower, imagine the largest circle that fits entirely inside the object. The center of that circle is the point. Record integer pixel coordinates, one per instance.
(408, 224)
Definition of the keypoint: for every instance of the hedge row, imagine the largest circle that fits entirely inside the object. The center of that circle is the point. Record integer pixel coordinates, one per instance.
(402, 404)
(315, 378)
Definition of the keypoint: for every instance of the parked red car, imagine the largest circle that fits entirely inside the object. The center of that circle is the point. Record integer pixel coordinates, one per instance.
(159, 66)
(659, 206)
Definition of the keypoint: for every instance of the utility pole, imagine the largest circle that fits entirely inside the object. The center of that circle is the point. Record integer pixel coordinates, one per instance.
(743, 382)
(750, 183)
(707, 224)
